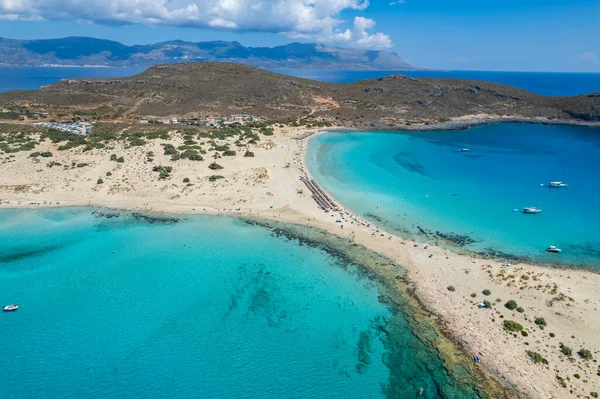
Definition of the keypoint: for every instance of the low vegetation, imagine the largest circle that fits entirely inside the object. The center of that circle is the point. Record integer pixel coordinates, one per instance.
(536, 357)
(565, 350)
(164, 172)
(585, 354)
(215, 177)
(512, 326)
(540, 321)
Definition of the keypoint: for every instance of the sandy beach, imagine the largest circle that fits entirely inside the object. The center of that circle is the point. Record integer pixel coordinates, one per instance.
(268, 185)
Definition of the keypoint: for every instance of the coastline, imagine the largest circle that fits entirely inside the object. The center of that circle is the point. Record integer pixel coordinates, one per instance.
(467, 122)
(277, 199)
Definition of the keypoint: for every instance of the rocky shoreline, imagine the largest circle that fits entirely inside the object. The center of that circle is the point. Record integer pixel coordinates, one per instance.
(464, 124)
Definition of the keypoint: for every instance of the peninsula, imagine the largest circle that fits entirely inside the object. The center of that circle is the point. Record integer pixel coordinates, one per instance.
(228, 139)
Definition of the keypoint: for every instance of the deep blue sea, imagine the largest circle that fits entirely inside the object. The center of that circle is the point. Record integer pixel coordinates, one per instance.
(421, 180)
(32, 78)
(209, 307)
(551, 84)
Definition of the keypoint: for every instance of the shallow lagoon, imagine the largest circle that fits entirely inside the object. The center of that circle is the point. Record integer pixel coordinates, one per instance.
(207, 307)
(421, 185)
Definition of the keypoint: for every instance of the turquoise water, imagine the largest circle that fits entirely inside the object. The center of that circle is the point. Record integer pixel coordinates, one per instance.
(208, 307)
(417, 181)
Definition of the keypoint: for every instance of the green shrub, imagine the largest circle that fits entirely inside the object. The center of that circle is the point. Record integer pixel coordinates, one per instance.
(215, 166)
(487, 304)
(577, 376)
(186, 180)
(229, 153)
(565, 350)
(511, 305)
(552, 335)
(163, 175)
(520, 309)
(585, 354)
(46, 154)
(120, 160)
(486, 292)
(113, 157)
(164, 172)
(34, 154)
(451, 288)
(215, 177)
(524, 333)
(195, 157)
(108, 174)
(594, 394)
(512, 326)
(473, 295)
(99, 181)
(267, 131)
(249, 154)
(170, 149)
(136, 142)
(540, 321)
(536, 357)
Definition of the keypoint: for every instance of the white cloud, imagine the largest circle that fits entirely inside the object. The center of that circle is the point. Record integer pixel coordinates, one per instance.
(316, 19)
(590, 57)
(358, 35)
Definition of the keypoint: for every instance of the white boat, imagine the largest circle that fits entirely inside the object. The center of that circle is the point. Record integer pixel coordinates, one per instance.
(553, 249)
(534, 209)
(10, 308)
(464, 149)
(531, 210)
(557, 184)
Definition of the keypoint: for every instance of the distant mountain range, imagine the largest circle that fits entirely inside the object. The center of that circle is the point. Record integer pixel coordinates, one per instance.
(80, 51)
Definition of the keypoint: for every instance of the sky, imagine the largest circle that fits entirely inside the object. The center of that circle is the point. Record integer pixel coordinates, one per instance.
(507, 35)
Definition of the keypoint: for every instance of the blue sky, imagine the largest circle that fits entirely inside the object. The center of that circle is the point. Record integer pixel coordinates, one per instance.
(510, 35)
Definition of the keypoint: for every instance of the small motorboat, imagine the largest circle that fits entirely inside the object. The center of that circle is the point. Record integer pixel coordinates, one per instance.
(464, 149)
(557, 184)
(531, 210)
(553, 249)
(10, 308)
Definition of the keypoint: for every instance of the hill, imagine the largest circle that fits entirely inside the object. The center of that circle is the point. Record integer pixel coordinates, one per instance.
(91, 51)
(201, 89)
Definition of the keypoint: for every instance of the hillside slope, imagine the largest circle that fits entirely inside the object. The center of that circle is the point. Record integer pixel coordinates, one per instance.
(193, 89)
